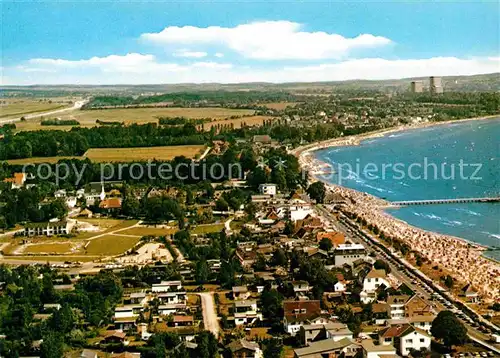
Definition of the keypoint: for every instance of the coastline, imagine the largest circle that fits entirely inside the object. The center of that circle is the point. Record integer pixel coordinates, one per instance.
(462, 257)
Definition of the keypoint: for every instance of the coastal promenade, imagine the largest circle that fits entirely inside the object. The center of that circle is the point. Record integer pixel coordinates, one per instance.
(446, 201)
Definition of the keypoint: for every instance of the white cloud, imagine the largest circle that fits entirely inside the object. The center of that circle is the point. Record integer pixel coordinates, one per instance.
(190, 54)
(268, 40)
(219, 54)
(146, 69)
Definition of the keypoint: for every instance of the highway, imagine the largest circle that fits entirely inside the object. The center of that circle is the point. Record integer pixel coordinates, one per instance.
(478, 328)
(76, 105)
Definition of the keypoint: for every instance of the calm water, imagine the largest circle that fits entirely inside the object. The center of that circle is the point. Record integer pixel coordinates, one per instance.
(445, 159)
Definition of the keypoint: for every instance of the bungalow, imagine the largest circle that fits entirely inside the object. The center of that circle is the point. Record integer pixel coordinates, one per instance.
(172, 297)
(301, 287)
(244, 349)
(138, 298)
(115, 337)
(246, 257)
(168, 309)
(336, 238)
(182, 321)
(111, 204)
(246, 312)
(50, 228)
(167, 286)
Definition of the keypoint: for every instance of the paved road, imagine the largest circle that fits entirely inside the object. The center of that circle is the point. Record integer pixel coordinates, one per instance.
(209, 313)
(353, 232)
(76, 105)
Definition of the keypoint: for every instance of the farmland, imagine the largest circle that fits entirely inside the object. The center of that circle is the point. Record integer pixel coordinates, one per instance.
(280, 105)
(19, 107)
(87, 118)
(122, 154)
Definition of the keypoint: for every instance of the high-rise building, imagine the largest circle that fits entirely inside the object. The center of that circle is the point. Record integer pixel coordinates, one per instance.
(417, 86)
(436, 86)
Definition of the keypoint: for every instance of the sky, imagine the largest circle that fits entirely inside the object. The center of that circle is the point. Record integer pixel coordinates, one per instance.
(156, 42)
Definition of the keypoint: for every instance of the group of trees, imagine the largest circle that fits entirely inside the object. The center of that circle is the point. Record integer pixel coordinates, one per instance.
(45, 143)
(28, 288)
(25, 205)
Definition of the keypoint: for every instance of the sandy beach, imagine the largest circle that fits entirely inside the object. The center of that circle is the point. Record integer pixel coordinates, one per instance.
(462, 258)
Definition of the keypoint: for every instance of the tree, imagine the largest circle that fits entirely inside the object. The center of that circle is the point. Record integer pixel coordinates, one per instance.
(273, 349)
(52, 346)
(201, 273)
(325, 244)
(448, 281)
(317, 191)
(221, 205)
(207, 345)
(279, 258)
(260, 263)
(382, 265)
(448, 328)
(271, 303)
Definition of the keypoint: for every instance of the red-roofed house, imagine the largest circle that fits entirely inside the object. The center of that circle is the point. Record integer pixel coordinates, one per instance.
(300, 312)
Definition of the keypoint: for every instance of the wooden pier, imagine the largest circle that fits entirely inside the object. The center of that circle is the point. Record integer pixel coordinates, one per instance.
(446, 201)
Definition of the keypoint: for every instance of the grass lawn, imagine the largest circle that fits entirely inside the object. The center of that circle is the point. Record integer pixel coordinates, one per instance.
(145, 231)
(38, 160)
(133, 115)
(52, 247)
(109, 245)
(205, 229)
(143, 153)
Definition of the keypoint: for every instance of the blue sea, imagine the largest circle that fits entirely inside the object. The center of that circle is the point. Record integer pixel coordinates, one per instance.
(455, 160)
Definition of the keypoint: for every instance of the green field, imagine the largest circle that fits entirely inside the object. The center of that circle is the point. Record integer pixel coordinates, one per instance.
(109, 245)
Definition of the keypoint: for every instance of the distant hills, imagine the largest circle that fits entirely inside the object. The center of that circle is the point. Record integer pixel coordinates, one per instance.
(475, 83)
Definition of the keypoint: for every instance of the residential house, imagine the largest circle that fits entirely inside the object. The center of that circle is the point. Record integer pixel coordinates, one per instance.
(341, 284)
(167, 286)
(116, 337)
(246, 312)
(374, 280)
(240, 292)
(336, 238)
(405, 338)
(347, 254)
(300, 312)
(172, 297)
(87, 353)
(171, 308)
(335, 331)
(417, 306)
(181, 321)
(111, 204)
(246, 257)
(300, 287)
(268, 189)
(396, 305)
(17, 180)
(50, 228)
(299, 208)
(470, 294)
(244, 349)
(328, 348)
(372, 350)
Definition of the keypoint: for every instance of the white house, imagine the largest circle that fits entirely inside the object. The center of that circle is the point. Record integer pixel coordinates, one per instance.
(171, 308)
(397, 306)
(298, 313)
(372, 350)
(268, 189)
(340, 286)
(167, 286)
(246, 312)
(50, 228)
(373, 280)
(348, 253)
(172, 297)
(405, 338)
